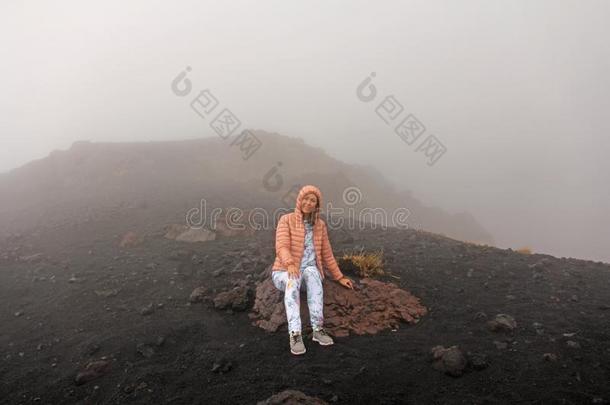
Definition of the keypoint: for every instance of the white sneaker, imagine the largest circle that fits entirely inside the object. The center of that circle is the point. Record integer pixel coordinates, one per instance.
(296, 343)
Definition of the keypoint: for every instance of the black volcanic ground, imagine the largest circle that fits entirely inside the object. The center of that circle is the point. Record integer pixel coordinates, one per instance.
(75, 304)
(81, 298)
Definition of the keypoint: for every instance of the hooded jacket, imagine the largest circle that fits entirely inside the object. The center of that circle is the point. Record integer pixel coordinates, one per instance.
(290, 239)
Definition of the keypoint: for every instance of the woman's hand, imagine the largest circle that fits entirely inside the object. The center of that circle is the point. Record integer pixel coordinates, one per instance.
(346, 282)
(293, 271)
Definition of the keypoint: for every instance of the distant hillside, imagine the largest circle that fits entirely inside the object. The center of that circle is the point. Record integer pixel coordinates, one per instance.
(164, 180)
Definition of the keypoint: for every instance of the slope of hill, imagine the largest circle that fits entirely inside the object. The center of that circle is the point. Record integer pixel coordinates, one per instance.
(87, 318)
(74, 303)
(168, 178)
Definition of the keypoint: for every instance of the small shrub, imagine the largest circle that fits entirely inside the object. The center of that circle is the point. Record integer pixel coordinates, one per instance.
(364, 264)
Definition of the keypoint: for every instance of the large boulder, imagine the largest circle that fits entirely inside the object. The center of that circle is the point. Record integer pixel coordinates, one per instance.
(92, 371)
(288, 397)
(371, 307)
(239, 298)
(502, 323)
(130, 239)
(450, 360)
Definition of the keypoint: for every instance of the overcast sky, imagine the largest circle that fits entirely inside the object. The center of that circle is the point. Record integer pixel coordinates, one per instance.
(518, 92)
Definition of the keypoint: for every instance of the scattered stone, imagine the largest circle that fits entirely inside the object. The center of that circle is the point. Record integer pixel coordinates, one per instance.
(574, 298)
(147, 310)
(197, 295)
(217, 273)
(480, 315)
(107, 293)
(293, 397)
(32, 258)
(451, 361)
(478, 361)
(185, 233)
(145, 350)
(573, 345)
(238, 299)
(500, 345)
(92, 371)
(502, 323)
(470, 273)
(130, 239)
(538, 327)
(549, 357)
(18, 313)
(222, 366)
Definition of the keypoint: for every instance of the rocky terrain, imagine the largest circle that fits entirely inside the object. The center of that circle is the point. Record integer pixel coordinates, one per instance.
(85, 320)
(106, 297)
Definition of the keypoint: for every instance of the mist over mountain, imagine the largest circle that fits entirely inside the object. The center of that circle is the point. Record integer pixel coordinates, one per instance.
(164, 180)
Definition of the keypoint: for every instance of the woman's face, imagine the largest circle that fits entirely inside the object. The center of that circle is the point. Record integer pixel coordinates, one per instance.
(308, 204)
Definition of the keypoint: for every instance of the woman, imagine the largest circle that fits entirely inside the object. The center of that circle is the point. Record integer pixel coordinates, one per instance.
(302, 252)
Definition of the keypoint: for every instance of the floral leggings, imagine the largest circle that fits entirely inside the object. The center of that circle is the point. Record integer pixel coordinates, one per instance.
(292, 299)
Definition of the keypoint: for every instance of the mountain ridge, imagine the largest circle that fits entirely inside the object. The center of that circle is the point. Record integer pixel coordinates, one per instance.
(178, 174)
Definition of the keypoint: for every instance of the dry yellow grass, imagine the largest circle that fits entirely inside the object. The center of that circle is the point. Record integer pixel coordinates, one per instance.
(524, 250)
(365, 264)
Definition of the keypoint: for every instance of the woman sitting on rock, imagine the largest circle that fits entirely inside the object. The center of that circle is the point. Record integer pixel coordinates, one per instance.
(302, 251)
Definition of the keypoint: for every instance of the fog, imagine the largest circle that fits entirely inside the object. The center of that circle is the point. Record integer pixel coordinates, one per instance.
(517, 93)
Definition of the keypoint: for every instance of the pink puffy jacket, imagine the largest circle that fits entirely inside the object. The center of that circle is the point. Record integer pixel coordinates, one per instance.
(290, 239)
